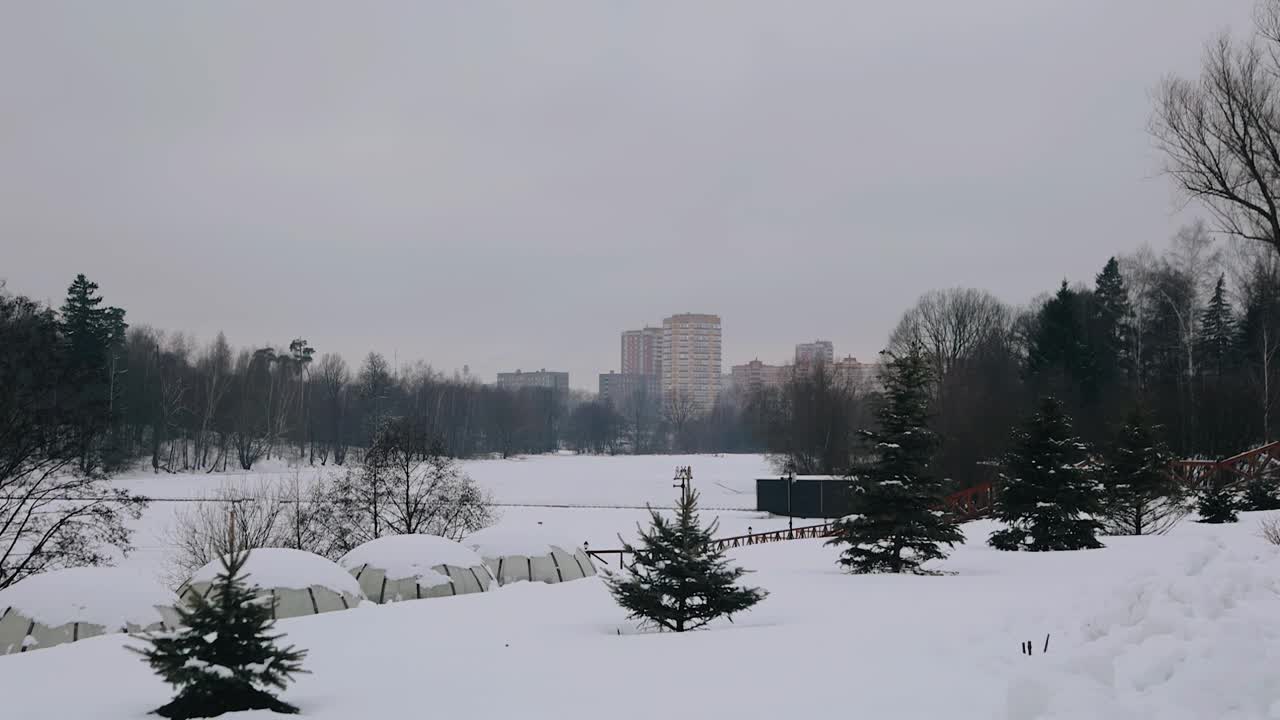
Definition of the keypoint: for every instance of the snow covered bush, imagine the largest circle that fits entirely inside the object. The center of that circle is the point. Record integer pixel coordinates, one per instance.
(1269, 529)
(223, 658)
(677, 580)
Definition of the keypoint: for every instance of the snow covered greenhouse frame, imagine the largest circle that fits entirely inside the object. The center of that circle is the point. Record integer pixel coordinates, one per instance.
(301, 583)
(62, 606)
(530, 555)
(410, 567)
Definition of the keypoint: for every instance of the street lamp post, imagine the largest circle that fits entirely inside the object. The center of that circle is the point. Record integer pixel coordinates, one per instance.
(791, 478)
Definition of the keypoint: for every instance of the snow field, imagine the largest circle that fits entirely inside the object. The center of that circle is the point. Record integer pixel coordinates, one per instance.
(1178, 627)
(557, 490)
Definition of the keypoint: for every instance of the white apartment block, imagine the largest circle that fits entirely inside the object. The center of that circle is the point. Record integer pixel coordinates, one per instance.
(691, 359)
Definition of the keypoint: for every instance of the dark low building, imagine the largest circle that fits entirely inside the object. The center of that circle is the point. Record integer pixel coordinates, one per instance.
(805, 496)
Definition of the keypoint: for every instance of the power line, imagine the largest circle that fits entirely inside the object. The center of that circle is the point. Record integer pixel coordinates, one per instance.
(568, 506)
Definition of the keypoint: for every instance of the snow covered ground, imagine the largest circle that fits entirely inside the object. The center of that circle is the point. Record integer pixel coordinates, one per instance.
(558, 494)
(1185, 626)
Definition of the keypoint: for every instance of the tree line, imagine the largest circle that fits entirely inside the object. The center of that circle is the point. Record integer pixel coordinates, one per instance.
(1189, 335)
(137, 392)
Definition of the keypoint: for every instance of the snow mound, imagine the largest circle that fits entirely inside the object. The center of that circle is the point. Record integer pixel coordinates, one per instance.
(412, 556)
(107, 596)
(497, 541)
(1199, 643)
(286, 568)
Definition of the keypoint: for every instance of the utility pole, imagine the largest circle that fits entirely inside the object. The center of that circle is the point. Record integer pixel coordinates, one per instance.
(684, 481)
(231, 528)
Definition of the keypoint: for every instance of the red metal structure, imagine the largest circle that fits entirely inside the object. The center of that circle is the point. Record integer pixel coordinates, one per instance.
(1247, 466)
(971, 503)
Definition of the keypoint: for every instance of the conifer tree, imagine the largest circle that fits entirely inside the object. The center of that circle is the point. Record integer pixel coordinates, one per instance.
(1217, 331)
(1111, 314)
(677, 579)
(92, 336)
(1140, 495)
(1059, 354)
(898, 523)
(1047, 500)
(223, 658)
(1260, 494)
(1217, 503)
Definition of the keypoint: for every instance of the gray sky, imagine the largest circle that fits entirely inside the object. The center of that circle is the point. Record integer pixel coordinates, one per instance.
(511, 184)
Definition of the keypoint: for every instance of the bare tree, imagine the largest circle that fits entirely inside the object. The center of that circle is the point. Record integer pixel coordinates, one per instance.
(679, 409)
(277, 512)
(236, 516)
(949, 326)
(640, 409)
(334, 379)
(1140, 270)
(399, 490)
(432, 495)
(1220, 133)
(251, 433)
(215, 369)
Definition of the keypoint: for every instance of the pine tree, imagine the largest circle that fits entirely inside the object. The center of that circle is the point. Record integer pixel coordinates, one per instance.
(92, 336)
(1047, 500)
(1217, 331)
(1217, 503)
(677, 579)
(1140, 496)
(223, 658)
(1059, 353)
(1110, 318)
(897, 523)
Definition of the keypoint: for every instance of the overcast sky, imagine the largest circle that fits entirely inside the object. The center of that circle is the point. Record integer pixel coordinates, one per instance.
(511, 184)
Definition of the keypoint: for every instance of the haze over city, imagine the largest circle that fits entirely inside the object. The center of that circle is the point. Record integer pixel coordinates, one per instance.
(511, 185)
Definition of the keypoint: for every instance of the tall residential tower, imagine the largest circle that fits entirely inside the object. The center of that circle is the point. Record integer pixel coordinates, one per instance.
(691, 359)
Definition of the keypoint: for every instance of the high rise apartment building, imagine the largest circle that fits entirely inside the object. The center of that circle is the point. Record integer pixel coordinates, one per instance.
(691, 359)
(642, 352)
(818, 351)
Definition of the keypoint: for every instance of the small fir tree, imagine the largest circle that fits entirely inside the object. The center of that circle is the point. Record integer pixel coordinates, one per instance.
(898, 523)
(1140, 495)
(1047, 500)
(224, 658)
(1260, 494)
(1217, 502)
(677, 579)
